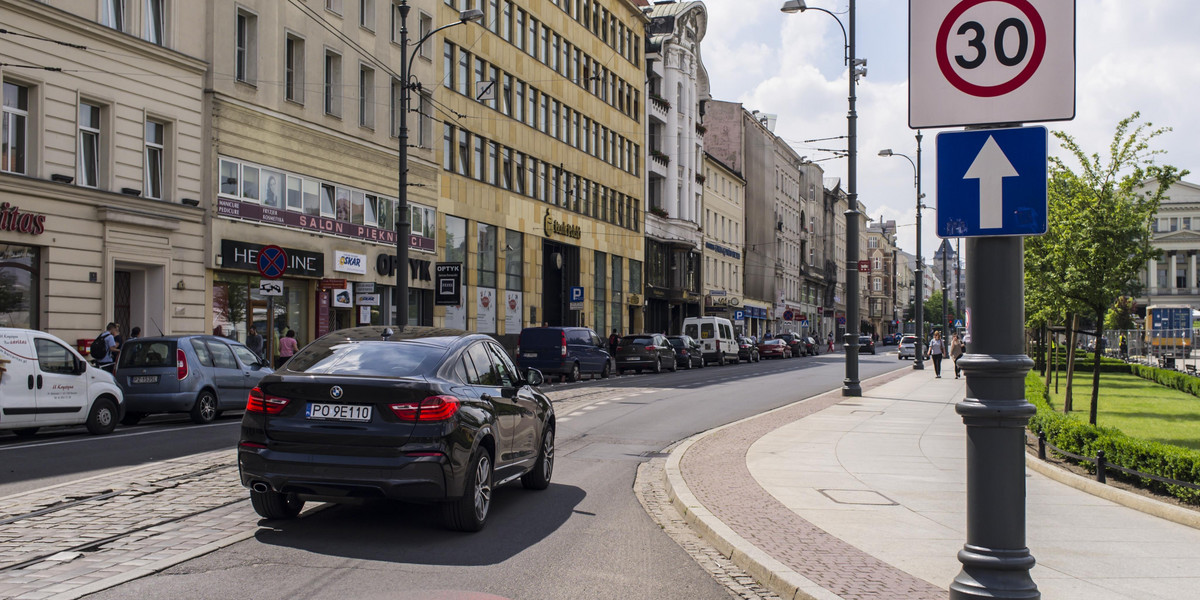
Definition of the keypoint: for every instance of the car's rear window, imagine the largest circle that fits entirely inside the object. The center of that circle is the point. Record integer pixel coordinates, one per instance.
(637, 341)
(154, 353)
(541, 338)
(676, 342)
(706, 331)
(368, 359)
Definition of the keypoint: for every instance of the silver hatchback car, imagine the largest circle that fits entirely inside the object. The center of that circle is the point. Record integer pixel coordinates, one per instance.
(201, 375)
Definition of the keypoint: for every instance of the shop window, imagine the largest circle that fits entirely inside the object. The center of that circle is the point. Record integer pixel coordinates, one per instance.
(20, 283)
(237, 305)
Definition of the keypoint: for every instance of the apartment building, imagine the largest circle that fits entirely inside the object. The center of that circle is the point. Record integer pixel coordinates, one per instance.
(724, 215)
(102, 168)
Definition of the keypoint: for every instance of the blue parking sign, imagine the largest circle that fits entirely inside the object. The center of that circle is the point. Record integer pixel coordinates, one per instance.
(739, 315)
(576, 293)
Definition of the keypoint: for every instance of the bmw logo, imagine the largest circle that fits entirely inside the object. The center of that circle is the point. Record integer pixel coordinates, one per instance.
(336, 392)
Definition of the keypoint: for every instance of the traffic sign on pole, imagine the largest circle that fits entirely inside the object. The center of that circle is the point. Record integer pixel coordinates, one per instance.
(272, 262)
(977, 62)
(991, 182)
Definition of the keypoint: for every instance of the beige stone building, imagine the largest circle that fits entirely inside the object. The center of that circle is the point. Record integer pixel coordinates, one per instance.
(103, 168)
(302, 154)
(541, 152)
(724, 240)
(882, 280)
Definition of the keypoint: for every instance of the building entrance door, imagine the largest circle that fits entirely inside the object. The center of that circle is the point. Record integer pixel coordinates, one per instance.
(560, 271)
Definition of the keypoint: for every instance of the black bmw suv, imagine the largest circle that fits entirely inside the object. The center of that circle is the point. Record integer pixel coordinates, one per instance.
(423, 414)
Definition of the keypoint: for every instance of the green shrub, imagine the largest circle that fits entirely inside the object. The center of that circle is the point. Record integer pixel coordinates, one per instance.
(1168, 377)
(1077, 437)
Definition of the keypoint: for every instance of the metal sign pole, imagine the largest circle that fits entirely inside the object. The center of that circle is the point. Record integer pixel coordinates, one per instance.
(270, 331)
(995, 558)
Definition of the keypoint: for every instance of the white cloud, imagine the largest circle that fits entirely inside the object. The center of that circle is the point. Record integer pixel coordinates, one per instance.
(1130, 57)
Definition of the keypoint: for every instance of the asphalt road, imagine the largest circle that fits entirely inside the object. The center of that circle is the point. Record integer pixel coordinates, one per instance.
(585, 537)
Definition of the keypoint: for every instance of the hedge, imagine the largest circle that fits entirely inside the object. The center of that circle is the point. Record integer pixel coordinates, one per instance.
(1169, 378)
(1082, 366)
(1075, 436)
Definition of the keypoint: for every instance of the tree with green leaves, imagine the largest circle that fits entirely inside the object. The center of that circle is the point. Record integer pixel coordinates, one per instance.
(1120, 316)
(1099, 215)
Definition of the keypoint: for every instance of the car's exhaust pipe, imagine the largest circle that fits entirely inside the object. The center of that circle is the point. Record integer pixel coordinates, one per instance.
(260, 487)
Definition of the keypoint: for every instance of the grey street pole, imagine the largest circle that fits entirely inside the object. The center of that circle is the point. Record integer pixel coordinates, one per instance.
(850, 386)
(958, 291)
(995, 559)
(919, 306)
(945, 300)
(403, 223)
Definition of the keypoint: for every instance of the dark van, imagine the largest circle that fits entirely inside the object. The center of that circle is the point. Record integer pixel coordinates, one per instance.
(569, 351)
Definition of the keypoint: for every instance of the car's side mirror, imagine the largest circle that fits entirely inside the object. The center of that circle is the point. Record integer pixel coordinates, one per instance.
(534, 377)
(80, 367)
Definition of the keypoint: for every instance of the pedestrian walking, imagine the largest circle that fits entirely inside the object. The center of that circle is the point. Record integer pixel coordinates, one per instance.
(287, 348)
(106, 347)
(1124, 348)
(612, 343)
(254, 341)
(957, 348)
(831, 341)
(935, 352)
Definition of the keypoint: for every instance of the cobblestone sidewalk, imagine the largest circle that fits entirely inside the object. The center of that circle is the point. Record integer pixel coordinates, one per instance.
(61, 541)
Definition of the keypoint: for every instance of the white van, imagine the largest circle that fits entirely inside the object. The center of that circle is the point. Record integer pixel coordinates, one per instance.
(45, 382)
(715, 335)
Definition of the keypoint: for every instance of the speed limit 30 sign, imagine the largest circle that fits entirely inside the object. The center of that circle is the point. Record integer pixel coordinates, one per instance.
(982, 62)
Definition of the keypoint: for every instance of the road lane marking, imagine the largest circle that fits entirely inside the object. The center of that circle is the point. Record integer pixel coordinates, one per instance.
(113, 437)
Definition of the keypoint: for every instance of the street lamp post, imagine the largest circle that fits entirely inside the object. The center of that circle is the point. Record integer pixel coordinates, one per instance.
(918, 359)
(858, 66)
(404, 223)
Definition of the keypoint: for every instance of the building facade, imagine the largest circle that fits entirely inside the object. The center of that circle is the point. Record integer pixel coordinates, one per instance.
(951, 273)
(542, 149)
(724, 250)
(1173, 278)
(882, 280)
(834, 208)
(677, 84)
(102, 169)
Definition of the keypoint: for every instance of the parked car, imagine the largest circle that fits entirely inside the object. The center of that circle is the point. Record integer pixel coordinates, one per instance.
(202, 375)
(748, 350)
(795, 346)
(908, 347)
(568, 351)
(430, 414)
(774, 348)
(688, 351)
(811, 347)
(716, 335)
(645, 352)
(866, 344)
(45, 382)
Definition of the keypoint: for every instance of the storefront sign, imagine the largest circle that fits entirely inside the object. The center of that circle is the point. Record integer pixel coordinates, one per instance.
(418, 270)
(560, 228)
(332, 284)
(322, 313)
(364, 287)
(448, 291)
(236, 209)
(723, 300)
(367, 299)
(723, 250)
(349, 262)
(341, 298)
(514, 310)
(12, 219)
(244, 256)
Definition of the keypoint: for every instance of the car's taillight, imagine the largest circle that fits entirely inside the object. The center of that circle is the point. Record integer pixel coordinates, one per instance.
(181, 366)
(433, 408)
(259, 402)
(718, 345)
(564, 344)
(618, 348)
(652, 348)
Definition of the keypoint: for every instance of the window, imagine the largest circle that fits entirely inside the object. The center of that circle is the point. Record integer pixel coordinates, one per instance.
(153, 174)
(506, 94)
(877, 284)
(334, 6)
(366, 14)
(333, 80)
(424, 26)
(112, 14)
(448, 65)
(464, 152)
(15, 128)
(246, 55)
(54, 357)
(154, 22)
(477, 158)
(506, 21)
(89, 144)
(514, 262)
(487, 255)
(873, 243)
(464, 72)
(366, 97)
(293, 74)
(448, 148)
(425, 118)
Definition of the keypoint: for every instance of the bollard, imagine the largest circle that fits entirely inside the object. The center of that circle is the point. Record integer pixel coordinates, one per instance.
(1041, 445)
(1100, 467)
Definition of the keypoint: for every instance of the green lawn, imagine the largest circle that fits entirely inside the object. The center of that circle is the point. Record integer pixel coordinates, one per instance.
(1138, 407)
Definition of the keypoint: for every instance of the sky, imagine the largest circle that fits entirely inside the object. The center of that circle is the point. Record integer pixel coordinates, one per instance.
(1130, 56)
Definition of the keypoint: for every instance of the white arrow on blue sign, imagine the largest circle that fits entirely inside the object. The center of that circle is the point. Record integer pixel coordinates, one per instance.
(991, 182)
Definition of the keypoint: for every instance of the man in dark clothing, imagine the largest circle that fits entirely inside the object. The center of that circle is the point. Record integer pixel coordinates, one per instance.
(612, 342)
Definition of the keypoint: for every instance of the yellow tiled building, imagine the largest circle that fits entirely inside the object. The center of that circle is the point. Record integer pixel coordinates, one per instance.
(541, 154)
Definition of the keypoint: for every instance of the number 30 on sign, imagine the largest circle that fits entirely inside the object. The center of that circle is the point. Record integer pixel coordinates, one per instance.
(978, 62)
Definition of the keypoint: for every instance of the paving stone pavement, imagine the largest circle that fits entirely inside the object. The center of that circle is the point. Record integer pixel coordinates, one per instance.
(651, 491)
(716, 472)
(66, 538)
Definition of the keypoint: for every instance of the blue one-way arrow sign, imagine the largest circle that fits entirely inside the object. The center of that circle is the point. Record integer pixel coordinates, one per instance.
(991, 182)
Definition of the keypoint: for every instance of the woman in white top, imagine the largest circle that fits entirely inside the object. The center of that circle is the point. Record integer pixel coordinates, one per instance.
(936, 350)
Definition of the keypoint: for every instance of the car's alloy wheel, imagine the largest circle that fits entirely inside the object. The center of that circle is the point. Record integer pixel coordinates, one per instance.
(276, 505)
(103, 418)
(469, 513)
(658, 365)
(205, 409)
(538, 478)
(574, 376)
(604, 371)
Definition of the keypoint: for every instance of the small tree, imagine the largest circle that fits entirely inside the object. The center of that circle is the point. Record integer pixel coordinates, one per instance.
(1100, 219)
(1120, 316)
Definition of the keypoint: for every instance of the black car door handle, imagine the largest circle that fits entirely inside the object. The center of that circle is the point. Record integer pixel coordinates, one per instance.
(31, 382)
(39, 382)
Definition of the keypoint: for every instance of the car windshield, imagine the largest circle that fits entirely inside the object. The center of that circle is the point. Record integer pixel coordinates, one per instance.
(369, 359)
